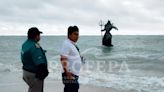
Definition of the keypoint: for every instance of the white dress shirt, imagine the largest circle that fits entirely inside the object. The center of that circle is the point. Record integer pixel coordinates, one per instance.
(69, 50)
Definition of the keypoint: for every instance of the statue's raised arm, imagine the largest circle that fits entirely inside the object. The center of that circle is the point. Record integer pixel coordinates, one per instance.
(108, 26)
(115, 27)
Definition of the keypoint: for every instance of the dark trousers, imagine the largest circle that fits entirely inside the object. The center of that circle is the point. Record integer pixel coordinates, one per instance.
(70, 85)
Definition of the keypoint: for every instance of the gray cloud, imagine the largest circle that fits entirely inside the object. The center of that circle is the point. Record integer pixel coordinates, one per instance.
(127, 14)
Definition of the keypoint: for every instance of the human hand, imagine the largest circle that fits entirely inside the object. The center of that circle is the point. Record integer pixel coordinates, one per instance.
(70, 76)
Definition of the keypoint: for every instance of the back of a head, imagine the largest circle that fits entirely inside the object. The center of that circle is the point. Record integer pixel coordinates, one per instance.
(72, 29)
(32, 32)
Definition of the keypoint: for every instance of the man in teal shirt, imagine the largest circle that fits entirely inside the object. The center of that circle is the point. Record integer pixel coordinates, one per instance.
(34, 61)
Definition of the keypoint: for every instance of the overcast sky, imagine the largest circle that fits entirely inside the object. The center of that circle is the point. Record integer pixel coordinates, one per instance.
(137, 17)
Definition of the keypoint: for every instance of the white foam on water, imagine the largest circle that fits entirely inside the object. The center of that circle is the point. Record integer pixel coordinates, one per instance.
(125, 82)
(98, 54)
(94, 51)
(8, 68)
(55, 68)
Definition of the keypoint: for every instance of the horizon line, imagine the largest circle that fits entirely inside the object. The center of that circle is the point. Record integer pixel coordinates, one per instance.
(91, 35)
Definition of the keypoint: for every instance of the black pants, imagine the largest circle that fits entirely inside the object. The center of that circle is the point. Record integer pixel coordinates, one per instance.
(70, 85)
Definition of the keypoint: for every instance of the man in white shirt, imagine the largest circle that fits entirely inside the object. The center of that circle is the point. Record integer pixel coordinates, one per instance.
(71, 61)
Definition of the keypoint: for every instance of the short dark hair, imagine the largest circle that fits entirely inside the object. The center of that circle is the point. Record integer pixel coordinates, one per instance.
(72, 29)
(32, 32)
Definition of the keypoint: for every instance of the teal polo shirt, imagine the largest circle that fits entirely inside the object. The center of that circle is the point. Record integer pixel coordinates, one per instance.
(32, 55)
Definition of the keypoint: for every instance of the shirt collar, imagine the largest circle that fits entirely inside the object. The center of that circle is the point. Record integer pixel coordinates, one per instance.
(71, 41)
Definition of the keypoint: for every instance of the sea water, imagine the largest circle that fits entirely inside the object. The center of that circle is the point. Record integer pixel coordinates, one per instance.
(134, 63)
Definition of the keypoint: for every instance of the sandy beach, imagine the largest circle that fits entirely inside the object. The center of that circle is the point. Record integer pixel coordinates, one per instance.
(54, 86)
(13, 82)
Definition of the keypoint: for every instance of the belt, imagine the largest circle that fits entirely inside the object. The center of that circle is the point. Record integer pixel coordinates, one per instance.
(64, 74)
(29, 70)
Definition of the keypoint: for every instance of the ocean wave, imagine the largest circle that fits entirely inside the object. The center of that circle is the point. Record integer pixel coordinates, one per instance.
(10, 67)
(125, 82)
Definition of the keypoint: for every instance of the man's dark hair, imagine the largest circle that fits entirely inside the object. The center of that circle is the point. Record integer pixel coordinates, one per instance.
(72, 29)
(32, 32)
